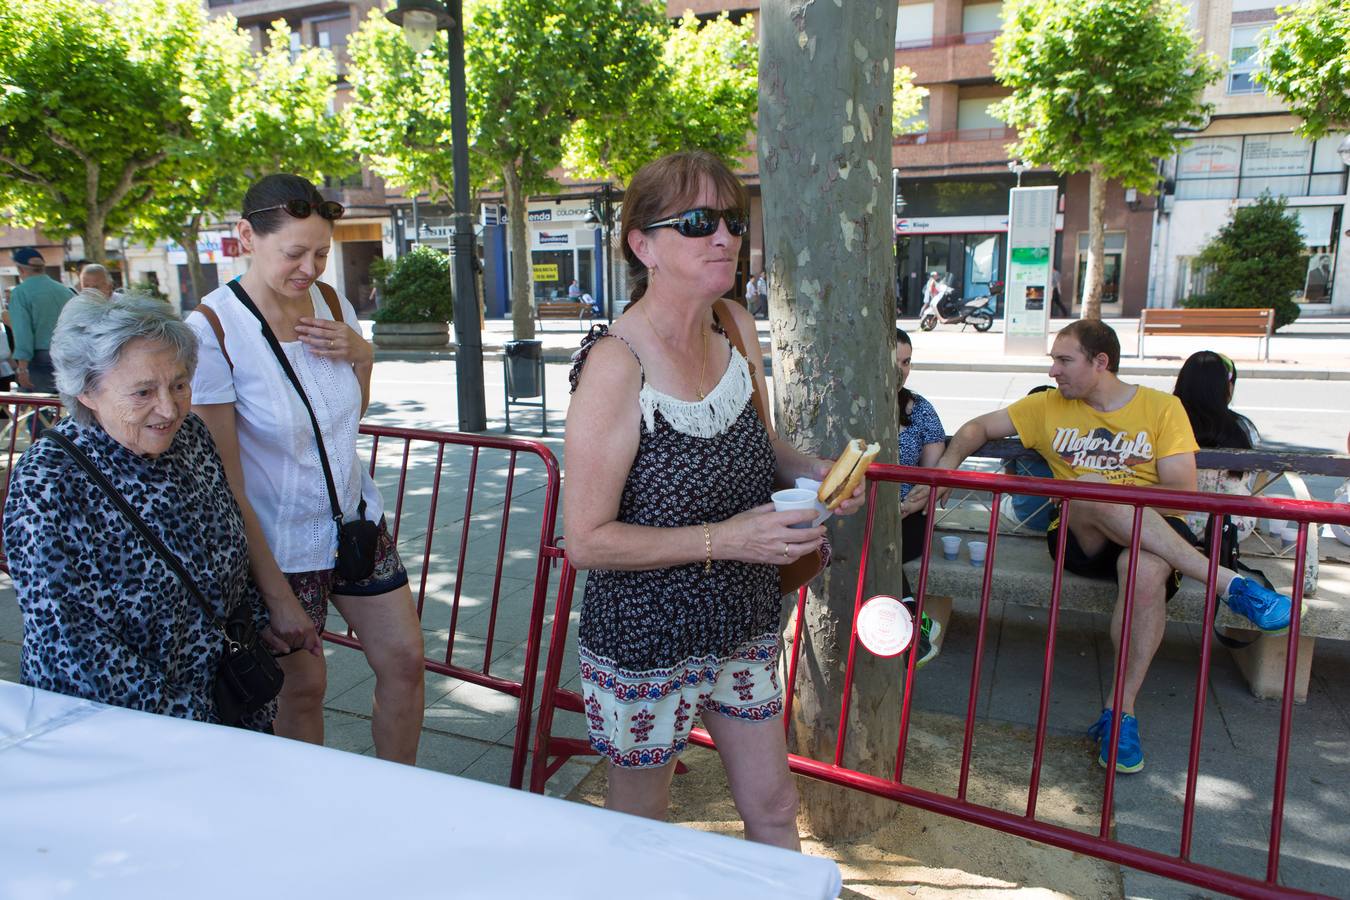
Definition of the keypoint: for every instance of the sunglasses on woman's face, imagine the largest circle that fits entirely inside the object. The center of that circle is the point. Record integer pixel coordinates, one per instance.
(702, 222)
(301, 209)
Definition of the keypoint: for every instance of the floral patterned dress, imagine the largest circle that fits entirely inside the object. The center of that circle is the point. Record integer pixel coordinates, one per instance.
(660, 646)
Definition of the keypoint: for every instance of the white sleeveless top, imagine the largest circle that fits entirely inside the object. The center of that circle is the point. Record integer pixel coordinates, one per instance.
(283, 478)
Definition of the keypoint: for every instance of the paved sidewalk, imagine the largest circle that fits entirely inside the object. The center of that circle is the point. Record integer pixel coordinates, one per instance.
(469, 731)
(1314, 348)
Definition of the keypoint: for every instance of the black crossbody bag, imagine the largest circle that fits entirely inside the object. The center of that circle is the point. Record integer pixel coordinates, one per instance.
(359, 538)
(247, 677)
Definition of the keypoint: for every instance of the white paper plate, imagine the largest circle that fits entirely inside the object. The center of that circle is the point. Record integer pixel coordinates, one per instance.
(810, 484)
(885, 626)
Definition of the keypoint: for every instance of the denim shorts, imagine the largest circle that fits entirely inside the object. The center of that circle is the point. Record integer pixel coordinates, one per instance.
(313, 589)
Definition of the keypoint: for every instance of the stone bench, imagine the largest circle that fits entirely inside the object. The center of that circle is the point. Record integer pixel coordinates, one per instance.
(1024, 576)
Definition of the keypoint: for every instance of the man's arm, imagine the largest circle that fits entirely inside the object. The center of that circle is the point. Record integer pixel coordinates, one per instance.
(968, 438)
(1177, 473)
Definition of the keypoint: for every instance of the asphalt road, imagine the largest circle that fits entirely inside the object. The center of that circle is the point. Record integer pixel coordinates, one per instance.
(1310, 416)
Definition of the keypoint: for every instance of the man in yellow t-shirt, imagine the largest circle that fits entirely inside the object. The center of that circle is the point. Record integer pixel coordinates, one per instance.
(1096, 427)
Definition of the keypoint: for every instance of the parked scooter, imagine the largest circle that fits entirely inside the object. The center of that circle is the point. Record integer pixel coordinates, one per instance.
(946, 308)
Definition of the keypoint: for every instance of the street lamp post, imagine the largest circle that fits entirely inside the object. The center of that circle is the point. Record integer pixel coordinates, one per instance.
(601, 216)
(1017, 167)
(420, 20)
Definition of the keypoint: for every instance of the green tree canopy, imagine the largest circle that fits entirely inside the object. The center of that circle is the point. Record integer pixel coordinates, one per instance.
(89, 108)
(249, 114)
(906, 102)
(1255, 261)
(398, 117)
(1305, 59)
(1103, 88)
(534, 67)
(700, 93)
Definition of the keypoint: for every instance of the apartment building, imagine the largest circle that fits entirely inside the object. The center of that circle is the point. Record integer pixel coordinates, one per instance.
(1249, 147)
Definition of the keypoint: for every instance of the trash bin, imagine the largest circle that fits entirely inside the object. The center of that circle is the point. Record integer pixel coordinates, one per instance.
(524, 364)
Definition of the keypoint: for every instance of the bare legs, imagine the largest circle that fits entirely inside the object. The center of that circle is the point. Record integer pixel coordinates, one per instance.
(388, 628)
(1160, 551)
(755, 757)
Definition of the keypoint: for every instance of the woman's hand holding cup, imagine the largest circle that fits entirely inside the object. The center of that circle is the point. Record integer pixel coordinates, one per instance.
(764, 535)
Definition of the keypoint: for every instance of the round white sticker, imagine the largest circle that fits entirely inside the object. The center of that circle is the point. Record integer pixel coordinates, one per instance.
(885, 626)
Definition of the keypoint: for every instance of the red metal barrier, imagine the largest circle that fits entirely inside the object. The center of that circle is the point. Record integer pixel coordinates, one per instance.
(543, 552)
(551, 753)
(507, 463)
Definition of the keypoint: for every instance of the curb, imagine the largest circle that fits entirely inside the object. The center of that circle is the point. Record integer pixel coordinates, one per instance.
(557, 355)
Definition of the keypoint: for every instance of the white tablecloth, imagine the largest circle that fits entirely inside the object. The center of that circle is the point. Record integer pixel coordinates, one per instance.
(97, 801)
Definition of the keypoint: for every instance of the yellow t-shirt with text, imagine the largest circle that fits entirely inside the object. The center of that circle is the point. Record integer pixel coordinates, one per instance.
(1123, 446)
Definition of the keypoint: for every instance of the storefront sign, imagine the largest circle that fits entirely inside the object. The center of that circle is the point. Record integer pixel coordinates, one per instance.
(209, 249)
(553, 240)
(1210, 158)
(545, 272)
(567, 211)
(1275, 155)
(1029, 286)
(958, 224)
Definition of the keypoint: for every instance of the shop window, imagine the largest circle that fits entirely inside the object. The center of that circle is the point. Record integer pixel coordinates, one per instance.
(1317, 281)
(1283, 164)
(1114, 264)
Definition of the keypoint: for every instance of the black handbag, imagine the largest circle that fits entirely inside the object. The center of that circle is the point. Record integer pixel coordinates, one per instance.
(357, 540)
(247, 677)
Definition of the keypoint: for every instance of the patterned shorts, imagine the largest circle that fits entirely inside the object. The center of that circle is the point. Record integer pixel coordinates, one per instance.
(642, 720)
(313, 589)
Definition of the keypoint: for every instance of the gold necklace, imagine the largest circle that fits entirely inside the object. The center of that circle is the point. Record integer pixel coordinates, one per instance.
(703, 361)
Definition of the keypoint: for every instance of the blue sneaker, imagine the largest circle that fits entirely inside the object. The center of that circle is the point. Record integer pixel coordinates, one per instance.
(1267, 610)
(1129, 752)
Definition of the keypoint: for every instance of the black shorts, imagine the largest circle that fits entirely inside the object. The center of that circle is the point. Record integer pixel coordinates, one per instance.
(1102, 564)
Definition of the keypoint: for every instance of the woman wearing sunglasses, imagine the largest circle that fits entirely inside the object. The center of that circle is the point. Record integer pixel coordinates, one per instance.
(669, 472)
(267, 442)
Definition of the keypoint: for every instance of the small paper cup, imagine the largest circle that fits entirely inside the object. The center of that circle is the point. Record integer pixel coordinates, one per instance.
(794, 498)
(977, 549)
(951, 546)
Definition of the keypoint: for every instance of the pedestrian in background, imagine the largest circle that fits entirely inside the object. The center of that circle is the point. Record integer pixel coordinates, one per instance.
(34, 307)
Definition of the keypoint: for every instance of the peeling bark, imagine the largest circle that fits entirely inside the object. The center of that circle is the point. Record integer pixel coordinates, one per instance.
(517, 233)
(1095, 275)
(825, 87)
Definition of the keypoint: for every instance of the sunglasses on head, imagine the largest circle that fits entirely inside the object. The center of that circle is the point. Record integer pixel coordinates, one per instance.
(301, 209)
(702, 222)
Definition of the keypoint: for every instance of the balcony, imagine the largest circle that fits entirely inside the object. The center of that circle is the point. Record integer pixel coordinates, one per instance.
(969, 148)
(950, 57)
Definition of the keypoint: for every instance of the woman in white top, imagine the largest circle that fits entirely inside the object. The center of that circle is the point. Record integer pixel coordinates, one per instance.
(271, 457)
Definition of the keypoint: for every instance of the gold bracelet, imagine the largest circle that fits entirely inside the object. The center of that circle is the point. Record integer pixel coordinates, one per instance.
(707, 545)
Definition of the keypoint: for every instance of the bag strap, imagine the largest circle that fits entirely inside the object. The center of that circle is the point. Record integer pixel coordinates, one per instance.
(137, 522)
(723, 316)
(331, 298)
(213, 320)
(280, 354)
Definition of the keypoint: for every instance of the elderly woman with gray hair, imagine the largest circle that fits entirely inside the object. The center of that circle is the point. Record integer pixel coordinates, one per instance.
(105, 617)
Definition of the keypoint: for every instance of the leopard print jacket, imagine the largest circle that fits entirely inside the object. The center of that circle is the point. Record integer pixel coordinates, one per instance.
(104, 618)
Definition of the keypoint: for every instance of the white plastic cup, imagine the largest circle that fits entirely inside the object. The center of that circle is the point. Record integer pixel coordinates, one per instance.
(794, 498)
(951, 546)
(977, 549)
(1275, 527)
